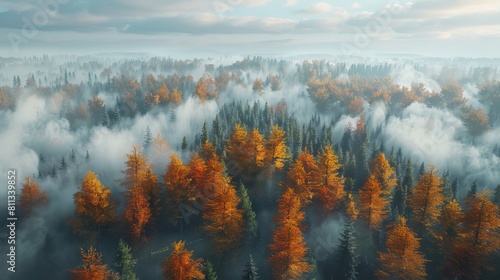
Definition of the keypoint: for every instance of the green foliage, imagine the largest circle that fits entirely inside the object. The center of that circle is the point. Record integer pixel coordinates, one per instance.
(124, 262)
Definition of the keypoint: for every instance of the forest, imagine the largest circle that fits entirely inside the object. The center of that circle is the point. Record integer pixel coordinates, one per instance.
(253, 167)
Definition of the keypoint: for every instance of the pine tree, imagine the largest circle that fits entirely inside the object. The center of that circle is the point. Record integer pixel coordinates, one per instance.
(87, 156)
(204, 134)
(348, 260)
(209, 271)
(473, 189)
(72, 156)
(454, 188)
(496, 196)
(64, 166)
(124, 262)
(250, 271)
(446, 186)
(53, 173)
(246, 205)
(421, 170)
(184, 145)
(148, 138)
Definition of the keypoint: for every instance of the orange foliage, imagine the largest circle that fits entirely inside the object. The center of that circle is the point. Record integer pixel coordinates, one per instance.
(136, 166)
(276, 149)
(178, 186)
(350, 206)
(384, 173)
(137, 212)
(180, 265)
(482, 223)
(288, 250)
(31, 196)
(427, 198)
(94, 203)
(223, 220)
(92, 267)
(372, 203)
(205, 88)
(176, 96)
(355, 106)
(402, 259)
(331, 190)
(163, 94)
(304, 177)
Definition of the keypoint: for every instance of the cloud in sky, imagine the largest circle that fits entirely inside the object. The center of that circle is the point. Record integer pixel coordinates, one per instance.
(431, 21)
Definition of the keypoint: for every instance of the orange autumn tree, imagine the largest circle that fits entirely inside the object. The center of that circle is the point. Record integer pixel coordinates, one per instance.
(304, 177)
(403, 259)
(372, 204)
(427, 198)
(178, 187)
(384, 174)
(288, 250)
(136, 165)
(276, 150)
(350, 206)
(331, 190)
(94, 206)
(450, 226)
(223, 220)
(255, 150)
(137, 212)
(180, 265)
(482, 223)
(151, 190)
(31, 196)
(236, 149)
(92, 267)
(479, 238)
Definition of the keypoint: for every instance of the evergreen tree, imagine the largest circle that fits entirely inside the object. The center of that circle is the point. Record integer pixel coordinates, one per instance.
(184, 145)
(246, 205)
(421, 170)
(148, 138)
(473, 189)
(446, 185)
(347, 255)
(64, 166)
(87, 157)
(53, 173)
(42, 158)
(209, 271)
(124, 262)
(72, 156)
(454, 188)
(406, 187)
(204, 134)
(250, 272)
(496, 196)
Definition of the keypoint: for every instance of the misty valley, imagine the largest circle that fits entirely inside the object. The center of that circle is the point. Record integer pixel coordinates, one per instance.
(131, 166)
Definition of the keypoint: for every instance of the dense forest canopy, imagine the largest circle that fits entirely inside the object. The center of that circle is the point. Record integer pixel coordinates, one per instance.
(254, 167)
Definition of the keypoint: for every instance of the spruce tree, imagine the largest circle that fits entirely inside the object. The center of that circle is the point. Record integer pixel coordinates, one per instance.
(496, 196)
(446, 185)
(250, 271)
(246, 204)
(204, 134)
(473, 189)
(421, 170)
(347, 255)
(64, 166)
(209, 271)
(406, 187)
(454, 188)
(148, 138)
(72, 156)
(184, 145)
(124, 262)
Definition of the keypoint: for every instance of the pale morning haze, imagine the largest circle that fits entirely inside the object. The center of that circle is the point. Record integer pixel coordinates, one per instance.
(421, 27)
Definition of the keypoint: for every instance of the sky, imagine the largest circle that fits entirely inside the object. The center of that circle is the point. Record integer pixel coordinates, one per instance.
(458, 28)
